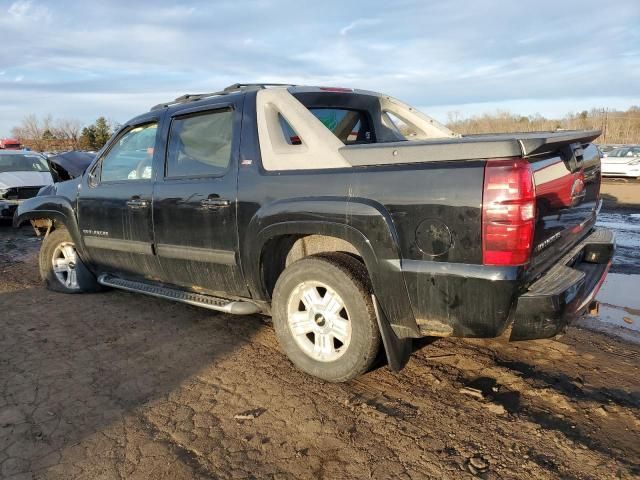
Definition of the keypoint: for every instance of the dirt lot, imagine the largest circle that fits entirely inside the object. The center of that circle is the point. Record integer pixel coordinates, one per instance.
(117, 385)
(620, 193)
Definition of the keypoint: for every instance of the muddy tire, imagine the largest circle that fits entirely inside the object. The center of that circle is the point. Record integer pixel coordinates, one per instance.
(61, 268)
(324, 317)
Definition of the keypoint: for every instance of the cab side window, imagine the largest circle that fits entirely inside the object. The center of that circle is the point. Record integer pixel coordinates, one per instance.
(200, 144)
(131, 157)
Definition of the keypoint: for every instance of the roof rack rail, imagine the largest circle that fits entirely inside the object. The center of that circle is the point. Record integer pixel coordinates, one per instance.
(236, 87)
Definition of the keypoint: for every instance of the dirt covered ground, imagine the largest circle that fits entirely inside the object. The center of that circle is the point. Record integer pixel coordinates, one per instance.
(620, 193)
(117, 385)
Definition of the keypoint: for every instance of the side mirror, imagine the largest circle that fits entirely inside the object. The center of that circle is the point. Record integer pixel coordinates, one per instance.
(93, 175)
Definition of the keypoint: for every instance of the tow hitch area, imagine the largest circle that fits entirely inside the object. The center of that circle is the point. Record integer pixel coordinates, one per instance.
(564, 292)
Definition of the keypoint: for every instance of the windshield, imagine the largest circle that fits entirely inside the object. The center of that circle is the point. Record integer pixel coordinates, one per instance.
(23, 162)
(625, 152)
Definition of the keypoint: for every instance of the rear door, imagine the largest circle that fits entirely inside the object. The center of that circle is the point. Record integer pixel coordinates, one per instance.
(114, 202)
(194, 206)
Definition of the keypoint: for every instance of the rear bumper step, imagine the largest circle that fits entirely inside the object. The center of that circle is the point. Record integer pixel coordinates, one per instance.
(566, 290)
(235, 307)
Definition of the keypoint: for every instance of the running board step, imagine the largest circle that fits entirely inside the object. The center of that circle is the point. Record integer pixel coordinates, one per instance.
(198, 299)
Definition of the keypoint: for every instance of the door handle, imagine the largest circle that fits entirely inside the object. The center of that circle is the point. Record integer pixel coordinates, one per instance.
(214, 202)
(137, 203)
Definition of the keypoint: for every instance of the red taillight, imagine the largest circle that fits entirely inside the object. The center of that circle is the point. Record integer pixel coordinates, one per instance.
(508, 212)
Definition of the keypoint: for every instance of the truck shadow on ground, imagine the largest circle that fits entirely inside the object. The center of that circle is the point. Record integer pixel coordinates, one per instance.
(579, 430)
(572, 387)
(588, 412)
(73, 364)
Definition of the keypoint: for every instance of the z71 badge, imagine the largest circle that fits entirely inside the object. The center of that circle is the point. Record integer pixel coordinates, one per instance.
(95, 233)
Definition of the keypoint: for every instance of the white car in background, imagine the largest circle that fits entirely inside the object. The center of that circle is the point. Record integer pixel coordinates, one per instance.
(22, 175)
(622, 162)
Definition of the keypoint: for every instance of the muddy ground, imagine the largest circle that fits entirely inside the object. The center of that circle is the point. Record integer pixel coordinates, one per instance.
(117, 385)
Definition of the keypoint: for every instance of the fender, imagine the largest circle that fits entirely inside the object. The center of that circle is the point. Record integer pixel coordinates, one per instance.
(54, 207)
(361, 222)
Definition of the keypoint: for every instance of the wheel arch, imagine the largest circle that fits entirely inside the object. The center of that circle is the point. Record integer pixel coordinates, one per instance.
(51, 207)
(363, 225)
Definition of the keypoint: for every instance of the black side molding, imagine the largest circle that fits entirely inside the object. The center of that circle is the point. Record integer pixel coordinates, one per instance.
(225, 257)
(120, 245)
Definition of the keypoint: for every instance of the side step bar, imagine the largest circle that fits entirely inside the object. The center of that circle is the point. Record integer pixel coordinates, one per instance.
(198, 299)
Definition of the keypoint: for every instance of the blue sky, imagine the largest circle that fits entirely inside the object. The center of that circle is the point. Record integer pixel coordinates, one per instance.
(79, 59)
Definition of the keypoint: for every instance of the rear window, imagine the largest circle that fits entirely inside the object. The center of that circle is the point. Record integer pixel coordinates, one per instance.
(350, 126)
(23, 162)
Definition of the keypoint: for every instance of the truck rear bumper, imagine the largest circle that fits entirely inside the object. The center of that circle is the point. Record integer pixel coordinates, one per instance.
(566, 290)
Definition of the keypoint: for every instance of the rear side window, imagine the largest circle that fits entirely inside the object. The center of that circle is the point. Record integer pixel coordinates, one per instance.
(406, 129)
(200, 144)
(350, 126)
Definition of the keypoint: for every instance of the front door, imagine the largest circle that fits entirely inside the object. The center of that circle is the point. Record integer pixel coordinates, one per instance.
(114, 203)
(194, 204)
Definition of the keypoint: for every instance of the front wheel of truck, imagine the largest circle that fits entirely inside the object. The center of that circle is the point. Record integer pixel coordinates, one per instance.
(324, 317)
(60, 266)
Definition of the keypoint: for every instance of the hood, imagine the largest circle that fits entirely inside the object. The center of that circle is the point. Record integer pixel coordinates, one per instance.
(619, 160)
(25, 179)
(70, 164)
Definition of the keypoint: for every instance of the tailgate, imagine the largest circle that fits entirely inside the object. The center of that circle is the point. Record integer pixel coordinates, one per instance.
(567, 183)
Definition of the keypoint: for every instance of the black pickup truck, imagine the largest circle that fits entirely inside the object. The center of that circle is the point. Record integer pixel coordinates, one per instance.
(349, 217)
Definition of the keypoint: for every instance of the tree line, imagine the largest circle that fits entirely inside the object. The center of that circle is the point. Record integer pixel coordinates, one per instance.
(61, 134)
(618, 127)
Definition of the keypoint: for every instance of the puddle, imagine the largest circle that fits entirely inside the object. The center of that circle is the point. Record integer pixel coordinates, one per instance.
(619, 313)
(619, 300)
(627, 230)
(619, 296)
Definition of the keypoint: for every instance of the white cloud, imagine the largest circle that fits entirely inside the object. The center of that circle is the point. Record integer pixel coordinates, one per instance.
(426, 53)
(361, 22)
(26, 10)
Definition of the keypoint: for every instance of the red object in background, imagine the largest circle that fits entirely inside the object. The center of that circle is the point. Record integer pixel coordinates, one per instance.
(560, 187)
(10, 144)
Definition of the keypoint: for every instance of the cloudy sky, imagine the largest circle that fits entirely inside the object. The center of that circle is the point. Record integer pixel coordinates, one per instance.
(80, 59)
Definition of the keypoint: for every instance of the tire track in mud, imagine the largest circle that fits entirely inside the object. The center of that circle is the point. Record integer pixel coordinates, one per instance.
(527, 399)
(544, 397)
(415, 424)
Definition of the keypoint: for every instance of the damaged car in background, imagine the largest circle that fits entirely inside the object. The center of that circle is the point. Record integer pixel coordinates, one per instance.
(354, 220)
(68, 165)
(22, 175)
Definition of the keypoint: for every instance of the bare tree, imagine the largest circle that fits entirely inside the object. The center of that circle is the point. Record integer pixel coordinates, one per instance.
(68, 130)
(620, 127)
(48, 133)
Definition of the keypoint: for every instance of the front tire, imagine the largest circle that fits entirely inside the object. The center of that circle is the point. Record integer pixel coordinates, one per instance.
(324, 317)
(60, 266)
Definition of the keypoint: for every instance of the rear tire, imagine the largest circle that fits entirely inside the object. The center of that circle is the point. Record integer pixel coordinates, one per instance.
(324, 317)
(60, 266)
